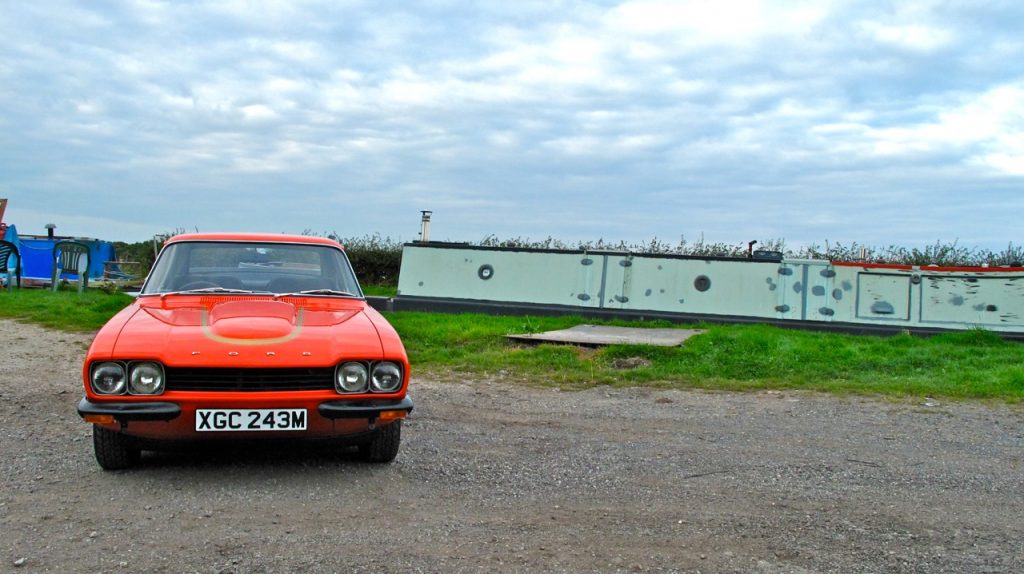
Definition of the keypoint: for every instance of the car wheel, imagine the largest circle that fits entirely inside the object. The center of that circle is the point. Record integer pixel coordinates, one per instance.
(114, 451)
(383, 447)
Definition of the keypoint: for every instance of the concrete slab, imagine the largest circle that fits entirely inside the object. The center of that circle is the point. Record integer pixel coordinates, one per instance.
(596, 336)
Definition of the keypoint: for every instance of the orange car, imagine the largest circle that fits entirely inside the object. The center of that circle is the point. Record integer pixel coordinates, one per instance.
(239, 336)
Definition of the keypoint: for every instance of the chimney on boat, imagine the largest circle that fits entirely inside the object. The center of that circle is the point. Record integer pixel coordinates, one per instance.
(425, 226)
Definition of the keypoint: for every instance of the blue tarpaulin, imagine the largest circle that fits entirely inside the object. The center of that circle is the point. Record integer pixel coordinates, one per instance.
(37, 255)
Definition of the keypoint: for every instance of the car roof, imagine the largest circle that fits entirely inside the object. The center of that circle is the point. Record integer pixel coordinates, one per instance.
(262, 237)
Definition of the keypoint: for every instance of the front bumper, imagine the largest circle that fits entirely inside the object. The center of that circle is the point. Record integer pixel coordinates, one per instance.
(166, 411)
(362, 409)
(124, 412)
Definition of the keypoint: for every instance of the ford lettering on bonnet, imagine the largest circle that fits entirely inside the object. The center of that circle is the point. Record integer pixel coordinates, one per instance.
(239, 336)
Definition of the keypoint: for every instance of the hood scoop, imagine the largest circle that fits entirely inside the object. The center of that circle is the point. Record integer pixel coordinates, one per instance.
(252, 320)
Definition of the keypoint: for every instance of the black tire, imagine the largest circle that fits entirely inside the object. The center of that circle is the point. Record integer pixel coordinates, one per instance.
(383, 447)
(114, 451)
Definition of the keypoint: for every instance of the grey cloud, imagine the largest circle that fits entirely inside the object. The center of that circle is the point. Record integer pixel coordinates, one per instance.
(576, 120)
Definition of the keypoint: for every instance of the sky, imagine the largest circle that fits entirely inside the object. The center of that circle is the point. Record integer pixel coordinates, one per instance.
(880, 123)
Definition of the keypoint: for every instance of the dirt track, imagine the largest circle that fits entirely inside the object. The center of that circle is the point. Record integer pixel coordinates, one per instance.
(498, 478)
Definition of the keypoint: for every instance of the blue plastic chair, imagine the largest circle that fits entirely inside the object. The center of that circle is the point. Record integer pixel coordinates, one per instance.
(71, 257)
(9, 251)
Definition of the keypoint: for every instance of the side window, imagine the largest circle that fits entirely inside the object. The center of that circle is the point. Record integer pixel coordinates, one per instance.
(343, 271)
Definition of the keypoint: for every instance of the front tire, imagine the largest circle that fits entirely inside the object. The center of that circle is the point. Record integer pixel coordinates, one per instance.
(383, 447)
(114, 450)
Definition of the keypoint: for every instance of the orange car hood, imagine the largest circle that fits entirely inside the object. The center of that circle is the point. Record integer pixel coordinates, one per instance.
(262, 332)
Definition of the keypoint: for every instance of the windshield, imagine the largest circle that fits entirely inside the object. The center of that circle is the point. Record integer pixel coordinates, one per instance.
(252, 267)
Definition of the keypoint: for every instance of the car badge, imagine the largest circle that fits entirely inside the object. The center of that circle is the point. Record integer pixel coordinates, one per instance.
(233, 353)
(271, 353)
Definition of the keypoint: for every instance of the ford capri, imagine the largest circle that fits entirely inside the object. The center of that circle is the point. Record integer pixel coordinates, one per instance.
(246, 336)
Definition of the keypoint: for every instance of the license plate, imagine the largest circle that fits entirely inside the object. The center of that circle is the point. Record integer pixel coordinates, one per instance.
(212, 420)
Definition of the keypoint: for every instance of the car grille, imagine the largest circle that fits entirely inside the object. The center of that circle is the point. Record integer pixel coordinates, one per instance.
(249, 380)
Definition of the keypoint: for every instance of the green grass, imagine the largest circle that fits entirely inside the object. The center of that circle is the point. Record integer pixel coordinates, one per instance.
(969, 365)
(66, 310)
(972, 364)
(380, 290)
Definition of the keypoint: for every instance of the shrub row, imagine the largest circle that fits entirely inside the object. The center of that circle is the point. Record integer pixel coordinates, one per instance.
(942, 254)
(377, 259)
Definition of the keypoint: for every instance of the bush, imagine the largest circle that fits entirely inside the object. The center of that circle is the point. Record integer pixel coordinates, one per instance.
(141, 253)
(939, 253)
(375, 259)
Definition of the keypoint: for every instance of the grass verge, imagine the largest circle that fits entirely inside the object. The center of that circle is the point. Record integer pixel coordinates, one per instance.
(67, 310)
(972, 364)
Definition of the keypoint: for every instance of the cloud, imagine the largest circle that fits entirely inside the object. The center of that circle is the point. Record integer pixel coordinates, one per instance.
(709, 22)
(805, 120)
(981, 129)
(914, 37)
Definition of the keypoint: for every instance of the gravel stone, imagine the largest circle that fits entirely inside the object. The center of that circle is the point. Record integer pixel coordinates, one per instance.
(498, 478)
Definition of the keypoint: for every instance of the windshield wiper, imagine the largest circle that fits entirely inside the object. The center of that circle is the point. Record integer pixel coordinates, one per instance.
(317, 292)
(213, 290)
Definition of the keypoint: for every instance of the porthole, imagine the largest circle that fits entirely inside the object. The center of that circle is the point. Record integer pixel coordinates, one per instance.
(702, 283)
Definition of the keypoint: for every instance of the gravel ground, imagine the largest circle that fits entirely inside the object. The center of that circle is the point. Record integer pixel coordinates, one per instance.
(493, 477)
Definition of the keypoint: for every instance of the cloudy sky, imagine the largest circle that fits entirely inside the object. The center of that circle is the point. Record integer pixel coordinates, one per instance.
(876, 122)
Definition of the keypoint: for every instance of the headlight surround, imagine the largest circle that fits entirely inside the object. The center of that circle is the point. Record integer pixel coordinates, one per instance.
(351, 377)
(146, 378)
(387, 377)
(108, 378)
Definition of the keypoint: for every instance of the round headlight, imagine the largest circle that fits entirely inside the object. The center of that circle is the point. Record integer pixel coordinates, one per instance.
(387, 377)
(146, 379)
(108, 379)
(351, 378)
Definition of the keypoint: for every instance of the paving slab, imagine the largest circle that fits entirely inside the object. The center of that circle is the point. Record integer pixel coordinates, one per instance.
(599, 335)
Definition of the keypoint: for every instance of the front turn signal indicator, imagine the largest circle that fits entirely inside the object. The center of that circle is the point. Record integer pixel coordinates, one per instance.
(388, 416)
(99, 419)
